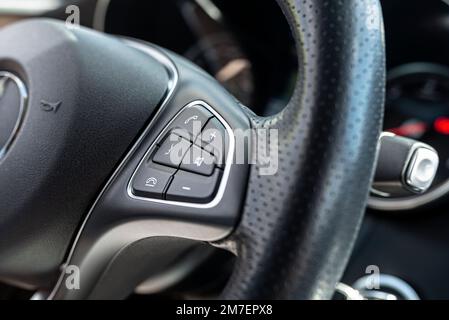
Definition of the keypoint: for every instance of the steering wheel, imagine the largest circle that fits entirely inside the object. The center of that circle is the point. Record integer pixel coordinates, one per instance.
(109, 159)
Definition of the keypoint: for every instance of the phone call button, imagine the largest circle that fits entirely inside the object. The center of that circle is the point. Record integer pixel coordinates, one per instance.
(189, 123)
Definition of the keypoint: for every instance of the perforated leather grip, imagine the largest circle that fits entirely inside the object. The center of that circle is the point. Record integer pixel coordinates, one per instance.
(299, 225)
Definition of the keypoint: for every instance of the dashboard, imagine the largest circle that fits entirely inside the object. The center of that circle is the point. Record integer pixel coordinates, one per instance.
(404, 236)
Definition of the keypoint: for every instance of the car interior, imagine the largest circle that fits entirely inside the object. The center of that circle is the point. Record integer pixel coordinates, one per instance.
(353, 93)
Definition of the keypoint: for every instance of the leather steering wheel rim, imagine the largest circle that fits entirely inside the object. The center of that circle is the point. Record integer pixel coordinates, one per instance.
(292, 231)
(299, 226)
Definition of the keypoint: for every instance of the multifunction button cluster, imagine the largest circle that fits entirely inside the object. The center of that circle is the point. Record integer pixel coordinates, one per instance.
(187, 163)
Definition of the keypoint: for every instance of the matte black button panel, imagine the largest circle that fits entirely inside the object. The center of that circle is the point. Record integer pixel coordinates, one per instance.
(198, 161)
(189, 123)
(190, 187)
(151, 180)
(214, 139)
(172, 151)
(176, 169)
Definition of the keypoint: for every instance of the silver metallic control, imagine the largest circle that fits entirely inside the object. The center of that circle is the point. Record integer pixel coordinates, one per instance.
(405, 166)
(422, 169)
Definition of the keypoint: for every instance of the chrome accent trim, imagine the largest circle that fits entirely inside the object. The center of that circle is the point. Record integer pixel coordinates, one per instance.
(29, 7)
(100, 13)
(22, 108)
(379, 295)
(409, 203)
(119, 237)
(226, 172)
(386, 282)
(39, 295)
(422, 169)
(171, 85)
(380, 200)
(348, 292)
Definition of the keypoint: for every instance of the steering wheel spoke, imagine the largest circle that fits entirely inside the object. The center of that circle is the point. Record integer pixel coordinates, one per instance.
(180, 179)
(140, 155)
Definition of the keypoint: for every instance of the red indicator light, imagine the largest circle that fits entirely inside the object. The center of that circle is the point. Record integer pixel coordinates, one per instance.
(409, 129)
(441, 125)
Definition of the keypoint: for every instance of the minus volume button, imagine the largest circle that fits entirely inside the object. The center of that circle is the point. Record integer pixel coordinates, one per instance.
(190, 187)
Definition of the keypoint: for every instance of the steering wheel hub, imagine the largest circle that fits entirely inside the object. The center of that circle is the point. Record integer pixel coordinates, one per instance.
(87, 98)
